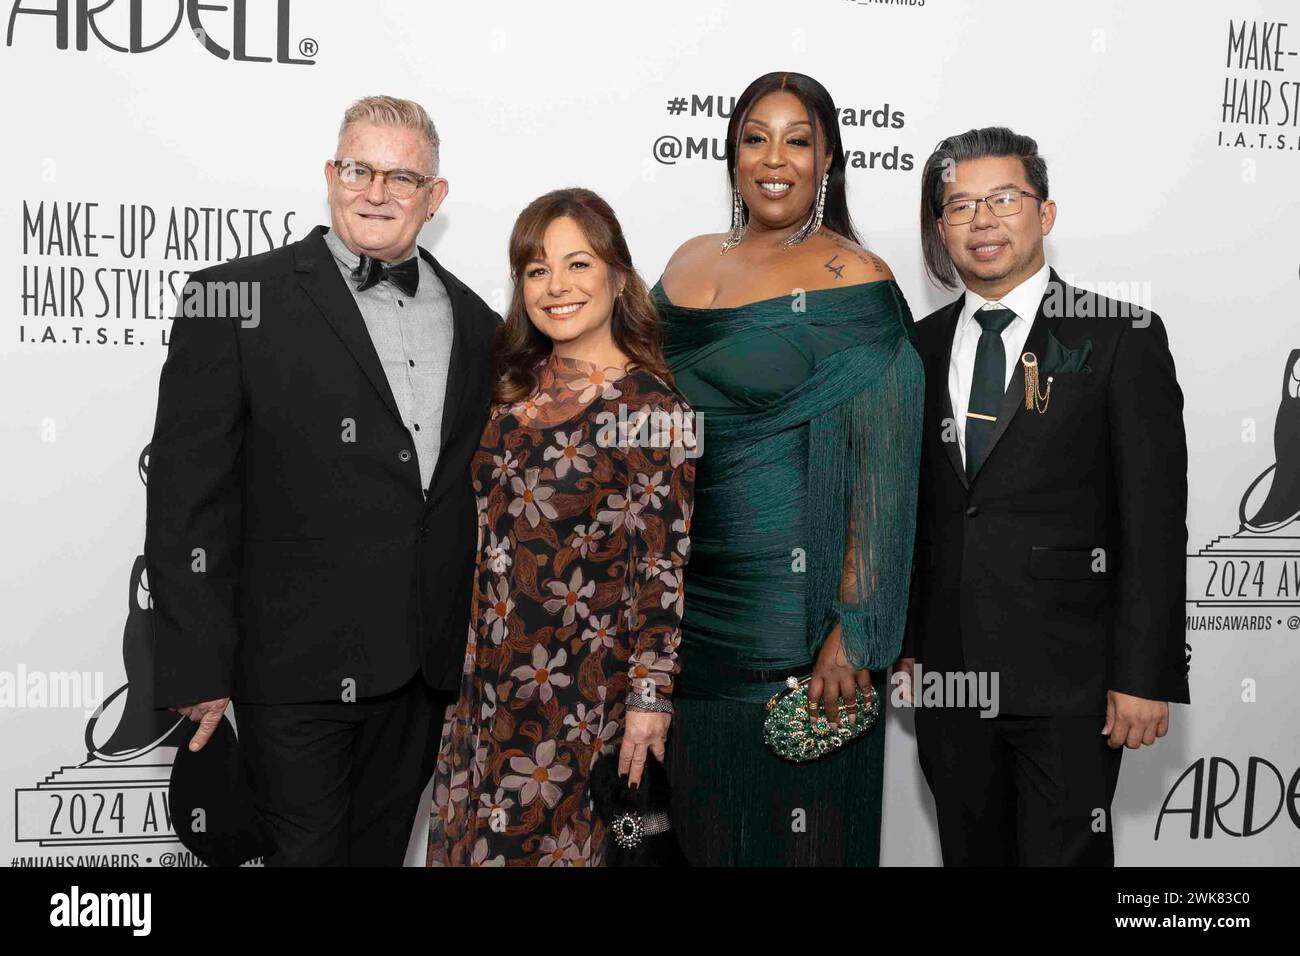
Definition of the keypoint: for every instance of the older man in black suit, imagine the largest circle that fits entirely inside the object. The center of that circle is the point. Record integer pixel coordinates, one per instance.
(311, 525)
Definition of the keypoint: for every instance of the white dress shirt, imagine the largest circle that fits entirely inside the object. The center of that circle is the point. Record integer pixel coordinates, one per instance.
(1023, 300)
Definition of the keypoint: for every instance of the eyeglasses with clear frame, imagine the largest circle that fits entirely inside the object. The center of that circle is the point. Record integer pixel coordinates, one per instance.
(1003, 203)
(400, 183)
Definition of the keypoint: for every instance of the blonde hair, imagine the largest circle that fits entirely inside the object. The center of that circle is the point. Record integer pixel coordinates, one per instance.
(391, 111)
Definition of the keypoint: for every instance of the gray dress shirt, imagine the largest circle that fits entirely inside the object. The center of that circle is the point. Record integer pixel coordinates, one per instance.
(413, 338)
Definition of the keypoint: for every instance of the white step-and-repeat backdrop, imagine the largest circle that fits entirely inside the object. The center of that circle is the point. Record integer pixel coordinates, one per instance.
(147, 139)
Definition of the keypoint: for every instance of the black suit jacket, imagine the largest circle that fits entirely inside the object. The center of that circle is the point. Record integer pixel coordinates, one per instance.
(292, 554)
(1007, 575)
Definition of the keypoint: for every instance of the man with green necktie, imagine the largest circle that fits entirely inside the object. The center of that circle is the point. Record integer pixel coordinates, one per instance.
(1051, 526)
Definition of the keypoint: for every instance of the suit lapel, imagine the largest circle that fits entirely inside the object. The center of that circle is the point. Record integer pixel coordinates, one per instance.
(320, 278)
(1014, 400)
(461, 338)
(949, 332)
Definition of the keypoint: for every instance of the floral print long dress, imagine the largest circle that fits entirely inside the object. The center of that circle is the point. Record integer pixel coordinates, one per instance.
(584, 508)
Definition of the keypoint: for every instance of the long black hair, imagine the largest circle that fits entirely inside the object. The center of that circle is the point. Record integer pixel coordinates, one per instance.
(825, 120)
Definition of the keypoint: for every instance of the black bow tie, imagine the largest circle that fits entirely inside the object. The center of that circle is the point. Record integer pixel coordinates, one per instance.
(404, 275)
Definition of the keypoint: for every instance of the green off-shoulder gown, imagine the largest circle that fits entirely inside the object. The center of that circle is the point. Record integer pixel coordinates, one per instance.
(809, 410)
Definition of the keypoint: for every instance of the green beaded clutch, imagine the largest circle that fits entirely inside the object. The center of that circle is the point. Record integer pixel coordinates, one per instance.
(793, 734)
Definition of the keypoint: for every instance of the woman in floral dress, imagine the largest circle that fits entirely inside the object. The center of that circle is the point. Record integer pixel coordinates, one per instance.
(583, 481)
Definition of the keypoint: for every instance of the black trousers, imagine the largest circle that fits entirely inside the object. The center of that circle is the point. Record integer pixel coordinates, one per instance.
(1019, 791)
(338, 783)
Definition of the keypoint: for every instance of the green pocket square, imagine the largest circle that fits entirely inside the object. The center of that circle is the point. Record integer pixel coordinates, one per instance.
(1057, 358)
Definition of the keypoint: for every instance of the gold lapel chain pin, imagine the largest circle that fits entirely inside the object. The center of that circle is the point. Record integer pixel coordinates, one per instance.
(1032, 395)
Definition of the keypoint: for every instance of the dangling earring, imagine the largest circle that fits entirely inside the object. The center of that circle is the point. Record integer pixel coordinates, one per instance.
(814, 218)
(737, 221)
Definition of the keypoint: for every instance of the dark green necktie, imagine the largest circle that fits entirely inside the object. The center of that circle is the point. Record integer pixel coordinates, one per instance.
(987, 387)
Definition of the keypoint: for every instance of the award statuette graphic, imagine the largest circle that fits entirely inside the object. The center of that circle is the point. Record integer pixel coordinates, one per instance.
(1259, 564)
(118, 794)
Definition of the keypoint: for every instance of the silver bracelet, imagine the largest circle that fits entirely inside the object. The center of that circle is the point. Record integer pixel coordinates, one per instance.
(654, 705)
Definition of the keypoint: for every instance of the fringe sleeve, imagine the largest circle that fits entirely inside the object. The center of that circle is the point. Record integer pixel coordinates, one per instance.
(869, 451)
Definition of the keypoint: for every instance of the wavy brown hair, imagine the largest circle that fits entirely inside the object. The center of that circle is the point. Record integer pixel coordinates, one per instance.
(520, 346)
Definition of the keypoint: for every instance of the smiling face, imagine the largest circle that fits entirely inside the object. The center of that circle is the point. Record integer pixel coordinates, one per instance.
(569, 293)
(370, 220)
(776, 163)
(995, 254)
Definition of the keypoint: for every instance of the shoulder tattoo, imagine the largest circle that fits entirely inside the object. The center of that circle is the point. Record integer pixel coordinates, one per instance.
(869, 260)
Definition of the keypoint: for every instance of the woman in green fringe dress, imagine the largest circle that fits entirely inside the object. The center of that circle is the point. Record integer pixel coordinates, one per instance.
(793, 347)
